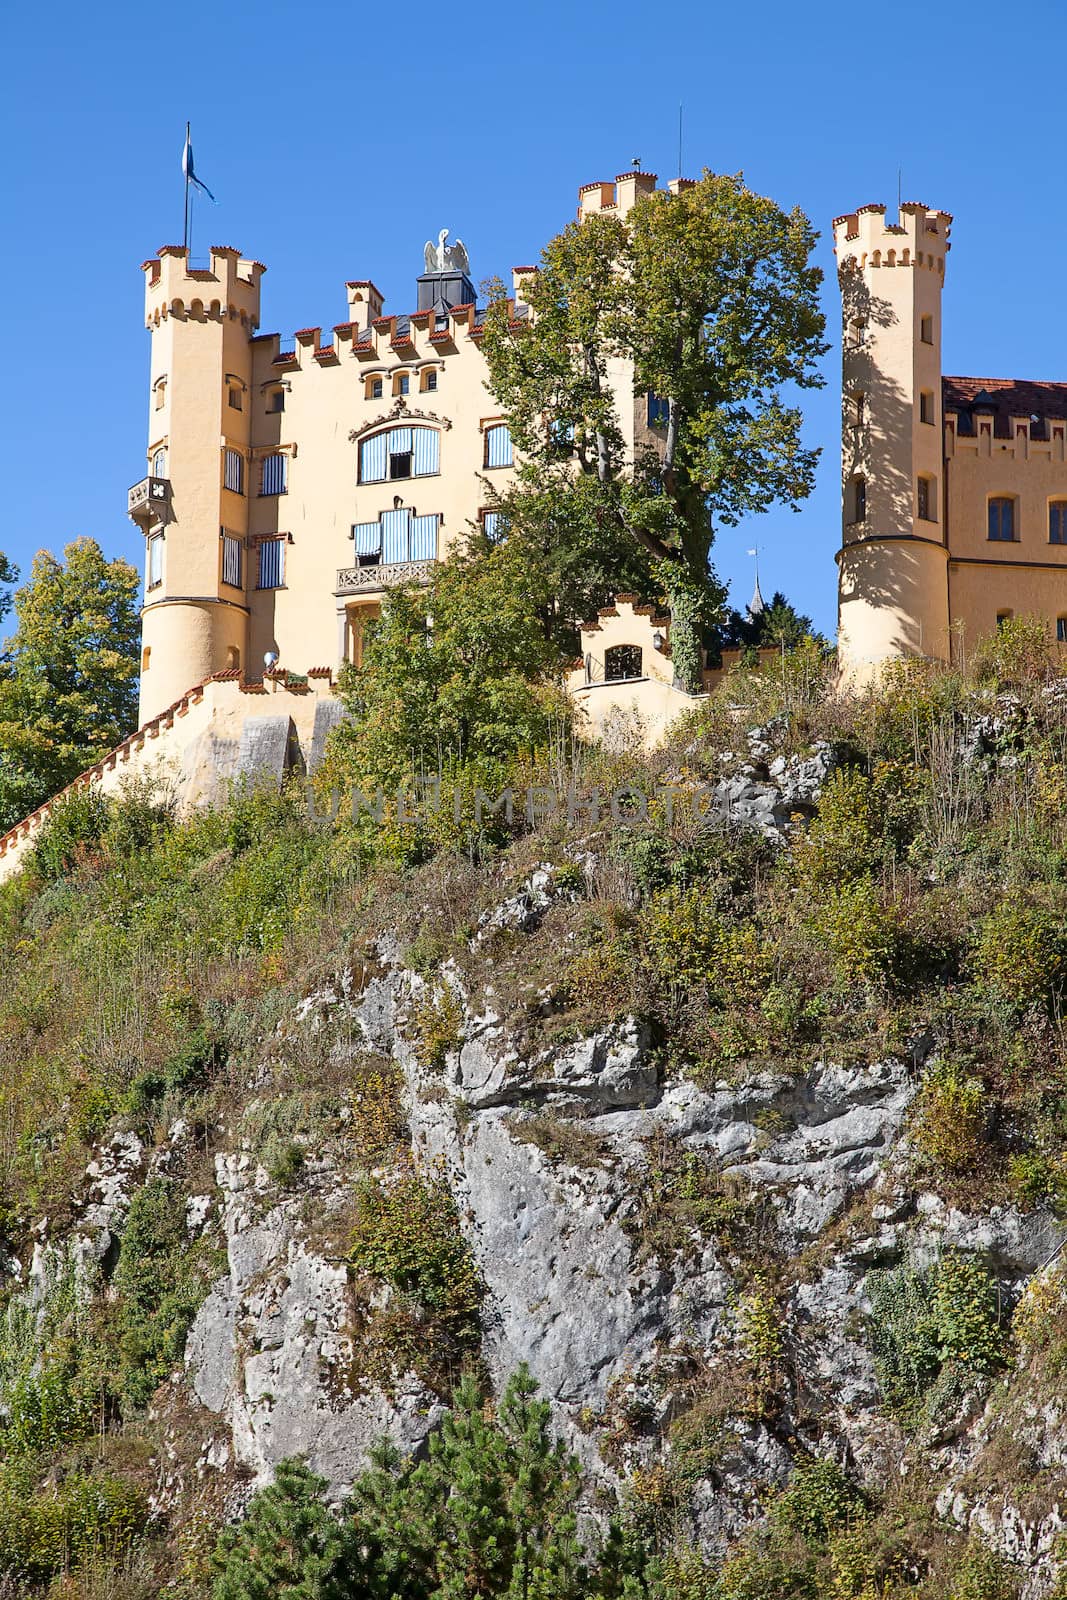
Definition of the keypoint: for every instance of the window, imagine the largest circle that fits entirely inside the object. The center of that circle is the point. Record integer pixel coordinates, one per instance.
(859, 499)
(159, 463)
(858, 331)
(859, 403)
(926, 496)
(399, 453)
(401, 383)
(659, 411)
(233, 658)
(1057, 522)
(159, 390)
(374, 389)
(1002, 618)
(494, 525)
(926, 405)
(155, 562)
(926, 330)
(429, 380)
(271, 564)
(498, 451)
(397, 537)
(1061, 630)
(622, 661)
(231, 560)
(146, 656)
(276, 400)
(1002, 519)
(235, 398)
(273, 474)
(235, 472)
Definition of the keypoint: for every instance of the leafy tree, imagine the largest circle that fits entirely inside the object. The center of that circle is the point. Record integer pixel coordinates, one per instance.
(709, 296)
(289, 1546)
(457, 671)
(9, 574)
(68, 685)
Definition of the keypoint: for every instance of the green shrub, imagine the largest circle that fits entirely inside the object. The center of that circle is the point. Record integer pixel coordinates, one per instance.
(289, 1546)
(43, 1533)
(950, 1117)
(76, 825)
(818, 1500)
(982, 1574)
(950, 1318)
(861, 935)
(407, 1235)
(439, 1025)
(844, 841)
(970, 1315)
(1019, 954)
(283, 1160)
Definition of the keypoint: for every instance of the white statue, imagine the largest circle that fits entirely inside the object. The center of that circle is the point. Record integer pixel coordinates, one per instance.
(441, 257)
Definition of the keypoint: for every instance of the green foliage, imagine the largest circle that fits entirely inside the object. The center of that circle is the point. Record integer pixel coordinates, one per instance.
(74, 827)
(407, 1235)
(1019, 953)
(921, 1323)
(68, 684)
(950, 1117)
(455, 672)
(160, 1285)
(709, 293)
(982, 1574)
(491, 1510)
(439, 1025)
(818, 1500)
(843, 843)
(289, 1546)
(45, 1532)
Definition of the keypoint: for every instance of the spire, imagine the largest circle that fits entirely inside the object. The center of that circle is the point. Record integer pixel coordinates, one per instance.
(757, 605)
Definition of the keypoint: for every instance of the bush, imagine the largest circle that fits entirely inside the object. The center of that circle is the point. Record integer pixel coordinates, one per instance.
(923, 1323)
(950, 1118)
(289, 1546)
(818, 1500)
(76, 825)
(1019, 954)
(46, 1532)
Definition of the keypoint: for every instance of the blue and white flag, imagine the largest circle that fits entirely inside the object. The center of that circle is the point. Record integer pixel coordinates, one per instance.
(187, 169)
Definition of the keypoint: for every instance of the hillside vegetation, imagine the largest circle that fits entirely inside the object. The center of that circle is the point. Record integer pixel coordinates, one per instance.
(181, 1000)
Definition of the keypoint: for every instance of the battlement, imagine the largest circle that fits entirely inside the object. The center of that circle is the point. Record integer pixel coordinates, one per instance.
(863, 238)
(617, 197)
(228, 288)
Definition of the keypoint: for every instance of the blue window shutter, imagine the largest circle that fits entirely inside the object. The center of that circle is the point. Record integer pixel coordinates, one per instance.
(373, 458)
(395, 535)
(368, 538)
(498, 451)
(271, 563)
(274, 474)
(426, 452)
(424, 538)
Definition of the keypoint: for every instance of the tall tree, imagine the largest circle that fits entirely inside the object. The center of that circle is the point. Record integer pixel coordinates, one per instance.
(709, 298)
(778, 625)
(9, 574)
(68, 681)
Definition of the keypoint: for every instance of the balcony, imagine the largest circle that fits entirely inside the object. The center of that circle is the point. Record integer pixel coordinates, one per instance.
(385, 575)
(149, 502)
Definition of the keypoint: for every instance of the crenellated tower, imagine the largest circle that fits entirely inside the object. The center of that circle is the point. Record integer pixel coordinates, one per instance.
(193, 504)
(893, 577)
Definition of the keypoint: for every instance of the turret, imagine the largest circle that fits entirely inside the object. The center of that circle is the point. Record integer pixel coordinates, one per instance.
(193, 505)
(893, 584)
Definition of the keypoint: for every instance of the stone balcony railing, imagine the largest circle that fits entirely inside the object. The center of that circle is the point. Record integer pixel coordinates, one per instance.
(386, 575)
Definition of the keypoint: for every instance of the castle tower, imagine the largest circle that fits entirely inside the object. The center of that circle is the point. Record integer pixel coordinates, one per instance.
(193, 505)
(893, 562)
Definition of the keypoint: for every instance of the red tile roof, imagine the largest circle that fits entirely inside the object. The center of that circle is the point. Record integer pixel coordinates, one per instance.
(1009, 397)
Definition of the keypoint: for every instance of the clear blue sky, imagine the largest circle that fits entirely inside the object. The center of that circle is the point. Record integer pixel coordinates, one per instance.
(339, 137)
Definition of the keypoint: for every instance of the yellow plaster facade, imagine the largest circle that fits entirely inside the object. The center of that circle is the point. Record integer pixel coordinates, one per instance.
(289, 486)
(954, 490)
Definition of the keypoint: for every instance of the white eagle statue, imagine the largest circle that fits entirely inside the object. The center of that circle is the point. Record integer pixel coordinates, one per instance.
(442, 257)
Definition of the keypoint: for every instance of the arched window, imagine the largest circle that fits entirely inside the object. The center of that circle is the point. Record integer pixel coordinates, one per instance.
(233, 657)
(159, 392)
(622, 661)
(428, 380)
(159, 463)
(399, 453)
(1002, 519)
(498, 451)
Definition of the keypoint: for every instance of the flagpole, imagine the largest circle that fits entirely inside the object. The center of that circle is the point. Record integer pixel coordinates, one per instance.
(185, 167)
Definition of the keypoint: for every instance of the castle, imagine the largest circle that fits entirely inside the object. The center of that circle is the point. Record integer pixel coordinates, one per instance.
(954, 490)
(289, 486)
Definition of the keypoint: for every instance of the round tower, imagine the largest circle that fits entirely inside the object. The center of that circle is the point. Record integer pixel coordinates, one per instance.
(893, 561)
(193, 504)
